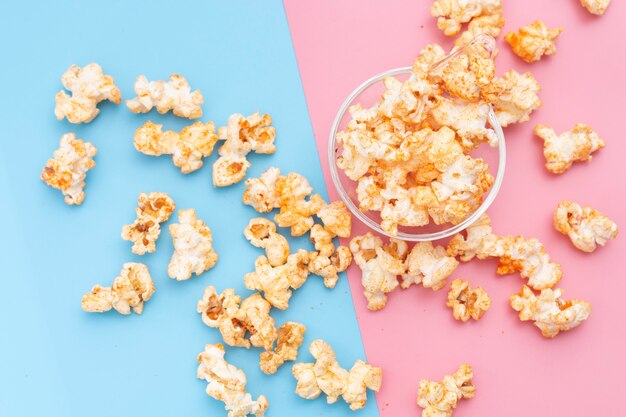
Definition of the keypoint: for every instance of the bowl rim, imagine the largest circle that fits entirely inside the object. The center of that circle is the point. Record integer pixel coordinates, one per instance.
(415, 237)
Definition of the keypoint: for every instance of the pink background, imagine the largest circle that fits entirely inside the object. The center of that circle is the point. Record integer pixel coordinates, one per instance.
(517, 372)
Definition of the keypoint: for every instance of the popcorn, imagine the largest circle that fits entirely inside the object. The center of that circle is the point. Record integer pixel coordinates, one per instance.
(329, 267)
(451, 14)
(488, 24)
(234, 318)
(152, 209)
(328, 377)
(467, 119)
(89, 86)
(226, 383)
(467, 74)
(586, 227)
(439, 399)
(174, 95)
(295, 211)
(563, 150)
(68, 169)
(381, 264)
(187, 147)
(466, 248)
(193, 247)
(261, 233)
(241, 136)
(513, 96)
(290, 337)
(533, 41)
(597, 7)
(129, 291)
(336, 218)
(322, 239)
(261, 193)
(466, 301)
(549, 312)
(429, 266)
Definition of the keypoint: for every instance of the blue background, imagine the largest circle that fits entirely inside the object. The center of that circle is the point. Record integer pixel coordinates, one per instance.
(56, 360)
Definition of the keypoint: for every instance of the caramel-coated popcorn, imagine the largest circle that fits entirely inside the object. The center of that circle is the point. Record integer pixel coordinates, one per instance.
(336, 218)
(296, 211)
(289, 340)
(68, 169)
(129, 291)
(561, 151)
(227, 383)
(452, 14)
(439, 399)
(187, 147)
(241, 136)
(328, 377)
(193, 247)
(533, 41)
(586, 227)
(467, 74)
(262, 233)
(467, 302)
(549, 312)
(174, 95)
(235, 318)
(428, 265)
(597, 7)
(89, 86)
(152, 209)
(513, 96)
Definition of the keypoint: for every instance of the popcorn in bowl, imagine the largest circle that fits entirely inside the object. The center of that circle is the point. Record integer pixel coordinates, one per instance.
(533, 41)
(586, 227)
(174, 94)
(89, 86)
(152, 209)
(561, 151)
(68, 169)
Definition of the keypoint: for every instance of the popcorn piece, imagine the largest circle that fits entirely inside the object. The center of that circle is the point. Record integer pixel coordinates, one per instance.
(380, 266)
(550, 313)
(241, 136)
(467, 74)
(439, 399)
(68, 169)
(226, 383)
(261, 192)
(322, 239)
(261, 233)
(89, 86)
(563, 150)
(329, 267)
(585, 226)
(451, 14)
(467, 302)
(336, 218)
(468, 120)
(597, 7)
(290, 337)
(533, 41)
(514, 97)
(488, 24)
(193, 247)
(152, 209)
(328, 377)
(187, 147)
(129, 291)
(295, 211)
(175, 95)
(466, 248)
(233, 320)
(277, 283)
(429, 266)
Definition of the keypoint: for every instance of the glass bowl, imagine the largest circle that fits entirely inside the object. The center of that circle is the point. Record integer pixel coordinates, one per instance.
(367, 94)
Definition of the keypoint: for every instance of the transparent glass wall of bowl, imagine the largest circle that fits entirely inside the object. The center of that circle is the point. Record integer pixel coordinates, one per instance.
(346, 191)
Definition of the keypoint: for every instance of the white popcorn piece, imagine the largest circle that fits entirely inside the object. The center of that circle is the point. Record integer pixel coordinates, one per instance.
(296, 211)
(490, 24)
(561, 151)
(187, 147)
(152, 209)
(261, 193)
(467, 302)
(549, 312)
(513, 96)
(467, 74)
(586, 227)
(289, 340)
(174, 95)
(89, 86)
(193, 247)
(261, 233)
(466, 248)
(227, 383)
(129, 291)
(428, 265)
(597, 7)
(242, 136)
(380, 264)
(235, 319)
(336, 218)
(439, 399)
(452, 14)
(533, 41)
(329, 267)
(68, 169)
(328, 377)
(467, 119)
